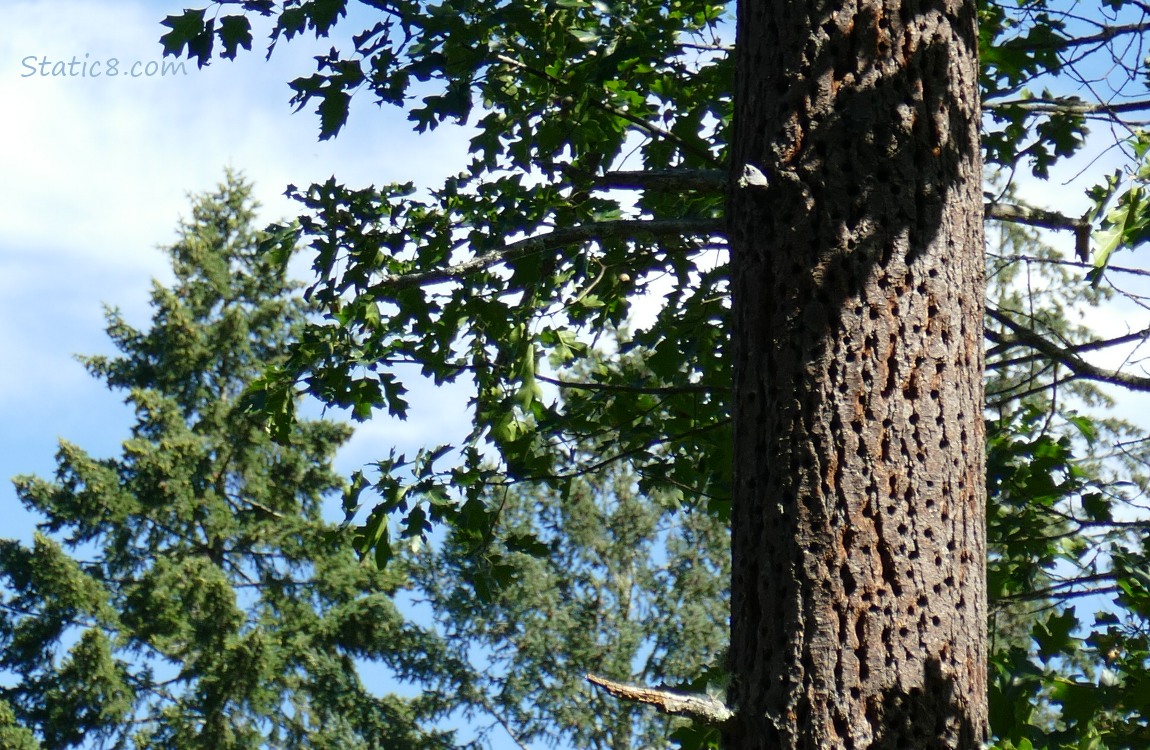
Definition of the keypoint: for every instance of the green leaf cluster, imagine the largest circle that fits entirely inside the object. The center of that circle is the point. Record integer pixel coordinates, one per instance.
(1064, 527)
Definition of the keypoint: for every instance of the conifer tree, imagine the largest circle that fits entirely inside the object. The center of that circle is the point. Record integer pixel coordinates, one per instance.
(604, 576)
(189, 593)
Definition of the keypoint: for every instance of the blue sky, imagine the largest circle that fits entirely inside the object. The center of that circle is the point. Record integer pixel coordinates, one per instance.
(96, 174)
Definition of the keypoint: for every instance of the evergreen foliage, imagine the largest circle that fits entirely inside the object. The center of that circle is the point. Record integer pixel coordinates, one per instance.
(189, 593)
(602, 580)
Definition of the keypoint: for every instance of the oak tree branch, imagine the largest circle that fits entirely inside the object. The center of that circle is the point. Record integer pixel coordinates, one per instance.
(715, 180)
(673, 179)
(603, 230)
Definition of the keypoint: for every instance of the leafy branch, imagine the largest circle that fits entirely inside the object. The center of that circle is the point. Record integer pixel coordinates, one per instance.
(646, 126)
(623, 228)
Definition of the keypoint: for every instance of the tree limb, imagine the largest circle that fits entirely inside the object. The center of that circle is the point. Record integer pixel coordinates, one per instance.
(645, 448)
(1105, 34)
(706, 47)
(1128, 338)
(1060, 589)
(1076, 364)
(673, 179)
(706, 180)
(1072, 106)
(1110, 268)
(620, 388)
(1037, 217)
(603, 230)
(696, 706)
(1015, 393)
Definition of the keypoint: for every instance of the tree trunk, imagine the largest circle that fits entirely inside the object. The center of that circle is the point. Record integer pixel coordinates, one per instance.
(858, 593)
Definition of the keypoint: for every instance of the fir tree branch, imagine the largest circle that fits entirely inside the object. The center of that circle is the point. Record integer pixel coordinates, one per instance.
(698, 707)
(1058, 353)
(501, 721)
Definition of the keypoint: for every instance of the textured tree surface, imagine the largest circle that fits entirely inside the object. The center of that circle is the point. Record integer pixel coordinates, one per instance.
(857, 277)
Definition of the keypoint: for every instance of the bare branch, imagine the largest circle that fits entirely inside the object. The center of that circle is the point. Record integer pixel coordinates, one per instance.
(1128, 338)
(1110, 269)
(696, 706)
(1058, 353)
(707, 47)
(1064, 589)
(1070, 105)
(1037, 217)
(1105, 34)
(705, 180)
(620, 388)
(641, 449)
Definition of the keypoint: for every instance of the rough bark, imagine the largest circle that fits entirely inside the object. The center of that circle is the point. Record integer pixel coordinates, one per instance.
(858, 588)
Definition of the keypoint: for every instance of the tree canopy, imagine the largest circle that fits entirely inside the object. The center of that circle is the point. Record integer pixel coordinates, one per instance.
(503, 274)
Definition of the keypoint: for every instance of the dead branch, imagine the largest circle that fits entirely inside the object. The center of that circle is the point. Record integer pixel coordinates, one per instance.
(696, 706)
